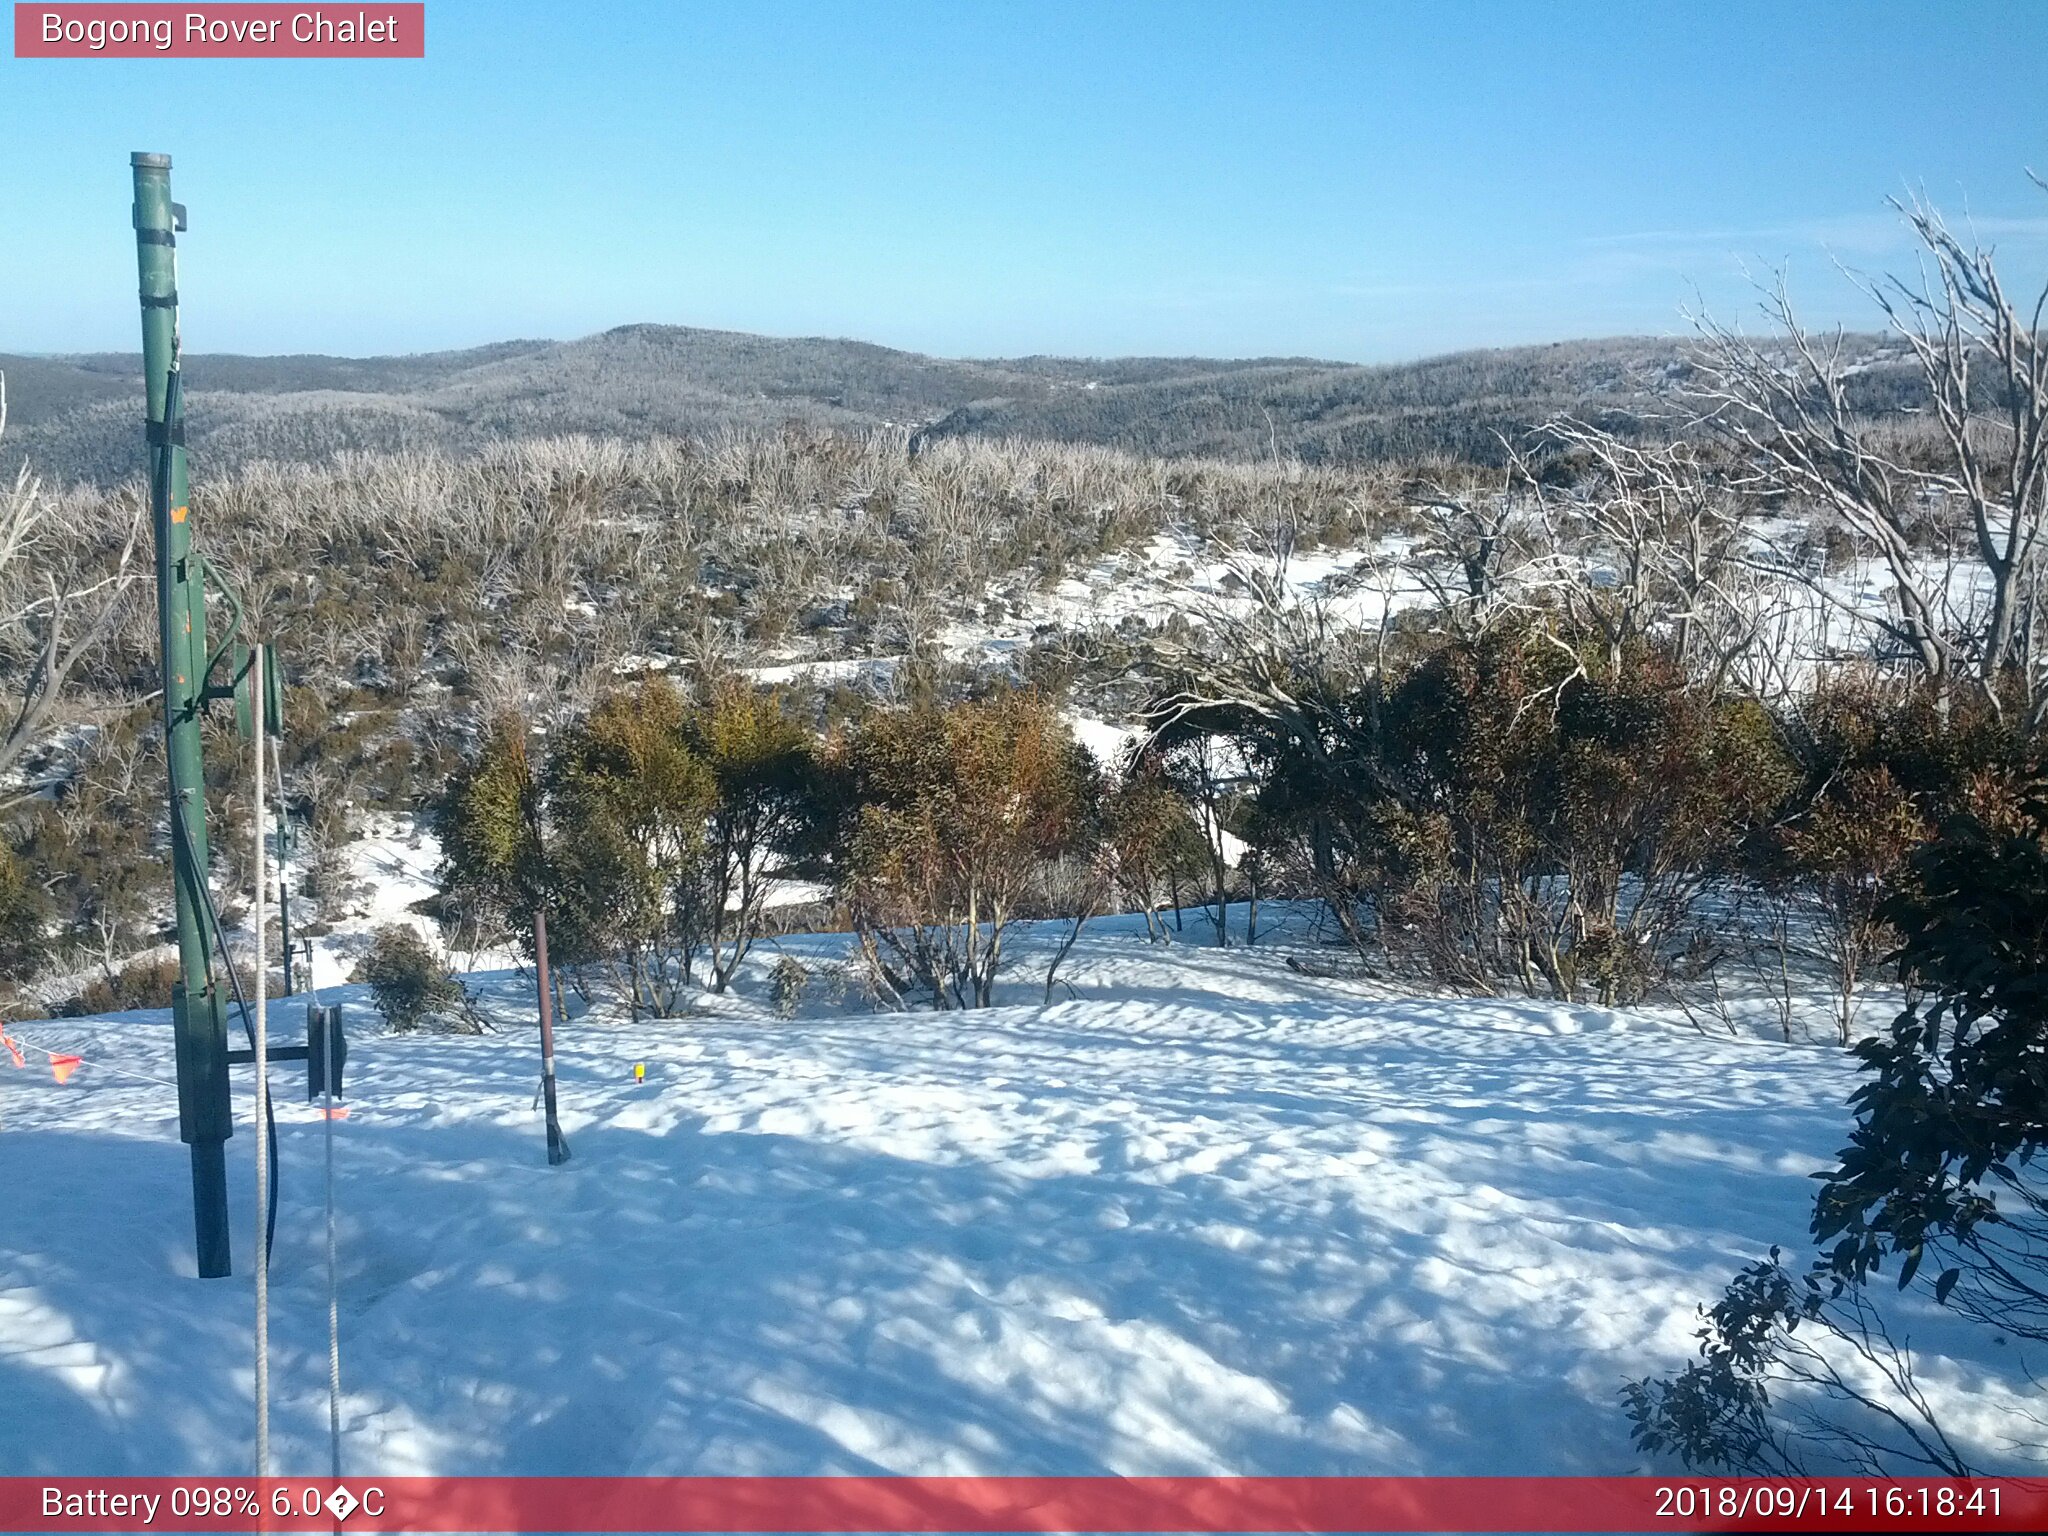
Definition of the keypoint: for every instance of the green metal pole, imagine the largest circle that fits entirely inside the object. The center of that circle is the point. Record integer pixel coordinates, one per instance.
(199, 1013)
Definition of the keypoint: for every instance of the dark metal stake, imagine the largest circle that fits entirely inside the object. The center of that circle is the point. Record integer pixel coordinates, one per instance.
(558, 1149)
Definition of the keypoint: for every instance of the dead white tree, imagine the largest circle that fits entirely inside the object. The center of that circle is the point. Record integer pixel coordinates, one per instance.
(1265, 651)
(1642, 543)
(1953, 514)
(1467, 552)
(54, 608)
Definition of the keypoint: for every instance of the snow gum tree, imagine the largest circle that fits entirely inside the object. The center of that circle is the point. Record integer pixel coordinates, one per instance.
(1207, 772)
(494, 874)
(651, 832)
(631, 798)
(1881, 765)
(1508, 809)
(949, 813)
(1153, 840)
(1846, 851)
(762, 821)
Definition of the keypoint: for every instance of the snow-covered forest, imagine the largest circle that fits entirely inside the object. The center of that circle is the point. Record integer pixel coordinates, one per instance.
(1141, 964)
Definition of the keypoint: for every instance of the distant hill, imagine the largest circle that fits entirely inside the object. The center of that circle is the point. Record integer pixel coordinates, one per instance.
(1458, 404)
(76, 417)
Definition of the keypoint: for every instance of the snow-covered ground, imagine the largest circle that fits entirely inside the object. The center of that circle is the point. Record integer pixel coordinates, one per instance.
(1174, 573)
(1207, 1215)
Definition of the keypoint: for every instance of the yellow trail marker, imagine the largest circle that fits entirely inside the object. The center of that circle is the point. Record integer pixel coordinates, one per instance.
(639, 1071)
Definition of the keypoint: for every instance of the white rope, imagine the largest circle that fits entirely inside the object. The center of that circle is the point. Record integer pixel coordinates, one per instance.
(328, 1033)
(98, 1064)
(262, 1059)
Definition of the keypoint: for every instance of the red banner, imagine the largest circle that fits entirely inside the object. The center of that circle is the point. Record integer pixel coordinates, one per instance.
(102, 31)
(991, 1504)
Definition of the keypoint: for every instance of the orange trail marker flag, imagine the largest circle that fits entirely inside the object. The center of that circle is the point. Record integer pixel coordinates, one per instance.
(61, 1067)
(13, 1048)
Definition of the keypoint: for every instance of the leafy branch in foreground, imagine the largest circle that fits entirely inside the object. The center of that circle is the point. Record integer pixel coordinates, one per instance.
(1941, 1167)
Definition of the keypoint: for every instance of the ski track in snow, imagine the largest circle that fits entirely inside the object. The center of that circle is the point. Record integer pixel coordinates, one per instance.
(1211, 1217)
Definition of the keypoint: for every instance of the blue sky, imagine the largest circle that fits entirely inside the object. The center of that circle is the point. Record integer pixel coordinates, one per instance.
(1358, 180)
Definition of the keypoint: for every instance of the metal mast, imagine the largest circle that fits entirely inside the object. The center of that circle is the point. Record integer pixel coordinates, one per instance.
(199, 1011)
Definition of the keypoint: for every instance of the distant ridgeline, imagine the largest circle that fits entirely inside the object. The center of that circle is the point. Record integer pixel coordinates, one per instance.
(75, 418)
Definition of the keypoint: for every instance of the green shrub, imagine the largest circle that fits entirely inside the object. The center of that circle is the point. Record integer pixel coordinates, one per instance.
(24, 911)
(409, 981)
(787, 984)
(947, 815)
(140, 984)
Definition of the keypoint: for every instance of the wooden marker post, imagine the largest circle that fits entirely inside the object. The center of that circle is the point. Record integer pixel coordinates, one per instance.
(261, 1049)
(558, 1149)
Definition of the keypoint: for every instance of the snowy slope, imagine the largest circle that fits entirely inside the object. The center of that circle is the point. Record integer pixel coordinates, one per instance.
(1209, 1216)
